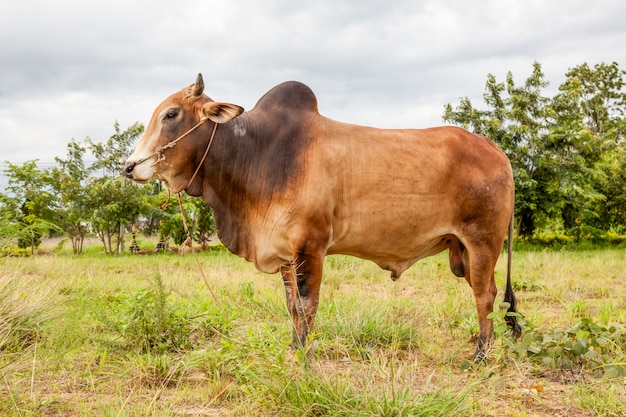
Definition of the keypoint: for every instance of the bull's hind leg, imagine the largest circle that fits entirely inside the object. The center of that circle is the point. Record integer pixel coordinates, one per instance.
(480, 276)
(302, 279)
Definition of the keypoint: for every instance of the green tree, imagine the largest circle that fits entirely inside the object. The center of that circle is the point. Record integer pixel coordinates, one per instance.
(205, 225)
(114, 202)
(518, 119)
(110, 155)
(28, 203)
(8, 231)
(172, 225)
(199, 218)
(71, 195)
(70, 181)
(590, 123)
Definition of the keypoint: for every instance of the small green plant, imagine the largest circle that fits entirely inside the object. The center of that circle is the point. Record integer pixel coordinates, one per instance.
(578, 308)
(527, 285)
(151, 371)
(585, 345)
(151, 322)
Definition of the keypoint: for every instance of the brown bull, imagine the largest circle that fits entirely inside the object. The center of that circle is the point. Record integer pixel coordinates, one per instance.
(289, 186)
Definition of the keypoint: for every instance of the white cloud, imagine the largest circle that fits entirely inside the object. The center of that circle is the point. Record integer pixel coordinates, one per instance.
(71, 68)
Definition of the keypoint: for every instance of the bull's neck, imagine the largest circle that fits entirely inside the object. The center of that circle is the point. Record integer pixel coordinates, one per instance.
(230, 162)
(227, 187)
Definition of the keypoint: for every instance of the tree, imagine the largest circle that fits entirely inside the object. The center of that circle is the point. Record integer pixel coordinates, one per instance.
(205, 224)
(110, 155)
(71, 196)
(198, 216)
(70, 181)
(28, 203)
(8, 231)
(518, 119)
(590, 110)
(113, 200)
(172, 225)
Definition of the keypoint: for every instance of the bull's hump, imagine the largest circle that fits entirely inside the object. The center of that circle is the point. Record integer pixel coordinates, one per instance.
(291, 94)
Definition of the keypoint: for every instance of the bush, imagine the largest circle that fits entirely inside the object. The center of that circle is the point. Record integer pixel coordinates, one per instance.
(579, 237)
(585, 345)
(550, 240)
(15, 252)
(584, 233)
(151, 323)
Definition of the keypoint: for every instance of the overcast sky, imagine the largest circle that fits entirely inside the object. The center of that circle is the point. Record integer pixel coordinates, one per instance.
(70, 69)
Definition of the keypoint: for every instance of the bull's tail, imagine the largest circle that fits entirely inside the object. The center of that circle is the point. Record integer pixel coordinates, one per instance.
(509, 296)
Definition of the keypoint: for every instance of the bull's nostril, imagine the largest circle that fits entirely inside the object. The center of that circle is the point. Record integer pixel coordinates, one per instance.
(128, 169)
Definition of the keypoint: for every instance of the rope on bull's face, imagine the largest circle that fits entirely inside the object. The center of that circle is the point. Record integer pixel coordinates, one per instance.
(159, 151)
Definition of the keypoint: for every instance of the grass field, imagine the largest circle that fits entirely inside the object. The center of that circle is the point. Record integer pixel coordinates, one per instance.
(97, 335)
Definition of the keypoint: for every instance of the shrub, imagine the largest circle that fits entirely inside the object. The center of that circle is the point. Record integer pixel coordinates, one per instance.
(15, 252)
(551, 239)
(153, 324)
(585, 345)
(150, 322)
(584, 233)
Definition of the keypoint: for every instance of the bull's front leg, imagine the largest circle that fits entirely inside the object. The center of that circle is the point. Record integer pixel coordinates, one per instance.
(302, 279)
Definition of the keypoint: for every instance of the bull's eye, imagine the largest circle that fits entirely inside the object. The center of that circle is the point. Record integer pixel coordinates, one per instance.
(171, 114)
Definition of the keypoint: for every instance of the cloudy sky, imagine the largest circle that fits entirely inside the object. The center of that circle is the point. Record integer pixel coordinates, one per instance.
(71, 68)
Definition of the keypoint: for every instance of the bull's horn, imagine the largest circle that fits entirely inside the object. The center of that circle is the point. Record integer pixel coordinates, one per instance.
(198, 87)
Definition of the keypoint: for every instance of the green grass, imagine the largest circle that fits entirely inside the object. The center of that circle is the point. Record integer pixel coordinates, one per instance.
(142, 336)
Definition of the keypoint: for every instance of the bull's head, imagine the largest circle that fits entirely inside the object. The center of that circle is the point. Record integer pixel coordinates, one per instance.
(173, 118)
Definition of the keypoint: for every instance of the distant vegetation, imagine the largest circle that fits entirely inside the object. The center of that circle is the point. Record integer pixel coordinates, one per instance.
(568, 154)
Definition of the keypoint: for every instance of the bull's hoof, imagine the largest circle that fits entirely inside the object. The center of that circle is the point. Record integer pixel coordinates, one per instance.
(480, 357)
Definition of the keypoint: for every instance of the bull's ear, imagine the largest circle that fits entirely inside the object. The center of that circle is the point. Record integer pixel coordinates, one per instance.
(220, 112)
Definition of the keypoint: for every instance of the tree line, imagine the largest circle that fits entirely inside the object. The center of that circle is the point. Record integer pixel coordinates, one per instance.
(73, 199)
(568, 153)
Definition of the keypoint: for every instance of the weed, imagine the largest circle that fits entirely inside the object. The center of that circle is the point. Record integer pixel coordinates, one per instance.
(585, 345)
(151, 324)
(527, 285)
(607, 401)
(315, 393)
(578, 308)
(150, 370)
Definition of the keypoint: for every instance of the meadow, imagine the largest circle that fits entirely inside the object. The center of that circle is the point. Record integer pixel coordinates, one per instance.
(131, 335)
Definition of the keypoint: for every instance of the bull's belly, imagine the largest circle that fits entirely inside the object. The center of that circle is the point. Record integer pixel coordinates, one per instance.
(391, 244)
(395, 254)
